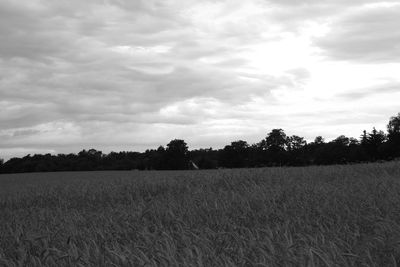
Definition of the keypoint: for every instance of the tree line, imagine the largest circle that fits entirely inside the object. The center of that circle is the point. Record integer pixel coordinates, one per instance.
(276, 149)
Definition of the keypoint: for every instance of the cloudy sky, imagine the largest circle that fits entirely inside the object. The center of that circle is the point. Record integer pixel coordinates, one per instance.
(129, 75)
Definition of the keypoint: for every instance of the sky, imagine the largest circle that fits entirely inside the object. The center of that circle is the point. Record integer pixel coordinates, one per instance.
(121, 75)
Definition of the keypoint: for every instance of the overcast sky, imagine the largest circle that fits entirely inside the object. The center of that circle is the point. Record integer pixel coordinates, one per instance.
(130, 75)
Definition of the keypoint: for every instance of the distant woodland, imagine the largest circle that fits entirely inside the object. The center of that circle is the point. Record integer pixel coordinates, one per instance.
(276, 149)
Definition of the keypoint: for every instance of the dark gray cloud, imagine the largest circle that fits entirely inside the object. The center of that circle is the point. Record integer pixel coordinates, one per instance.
(387, 88)
(367, 34)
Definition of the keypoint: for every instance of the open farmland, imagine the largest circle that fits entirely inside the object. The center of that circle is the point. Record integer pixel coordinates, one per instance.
(308, 216)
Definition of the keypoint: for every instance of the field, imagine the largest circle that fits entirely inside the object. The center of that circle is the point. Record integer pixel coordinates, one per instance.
(306, 216)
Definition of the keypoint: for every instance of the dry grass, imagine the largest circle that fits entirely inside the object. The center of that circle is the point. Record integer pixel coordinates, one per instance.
(312, 216)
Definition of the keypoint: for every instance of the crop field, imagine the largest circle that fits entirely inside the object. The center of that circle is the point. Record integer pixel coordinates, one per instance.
(303, 216)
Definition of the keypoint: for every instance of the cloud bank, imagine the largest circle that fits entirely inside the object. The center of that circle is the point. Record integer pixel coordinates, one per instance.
(130, 75)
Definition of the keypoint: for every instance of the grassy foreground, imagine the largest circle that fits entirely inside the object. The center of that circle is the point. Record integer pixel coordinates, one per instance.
(311, 216)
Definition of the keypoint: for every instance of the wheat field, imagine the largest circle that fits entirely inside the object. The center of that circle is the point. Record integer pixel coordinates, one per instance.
(303, 216)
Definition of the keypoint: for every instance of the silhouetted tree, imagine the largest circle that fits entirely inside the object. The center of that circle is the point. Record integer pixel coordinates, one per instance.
(273, 147)
(177, 155)
(371, 143)
(342, 141)
(356, 152)
(364, 138)
(391, 149)
(155, 159)
(296, 150)
(295, 142)
(276, 140)
(334, 152)
(94, 153)
(235, 155)
(319, 140)
(393, 126)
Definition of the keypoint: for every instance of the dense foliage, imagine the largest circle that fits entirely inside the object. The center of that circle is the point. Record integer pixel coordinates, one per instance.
(298, 216)
(276, 149)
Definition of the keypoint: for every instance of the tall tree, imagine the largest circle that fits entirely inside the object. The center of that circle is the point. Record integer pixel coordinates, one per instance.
(276, 140)
(272, 148)
(295, 142)
(392, 148)
(394, 125)
(375, 139)
(177, 155)
(296, 150)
